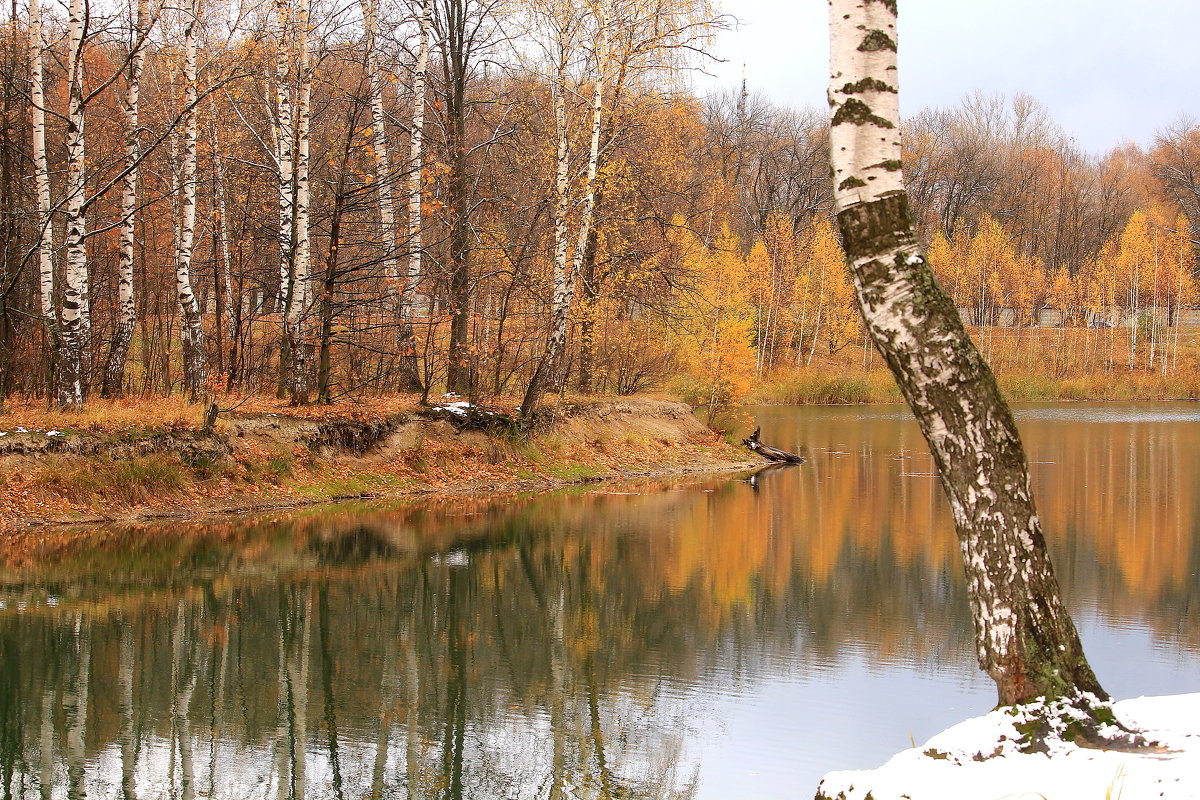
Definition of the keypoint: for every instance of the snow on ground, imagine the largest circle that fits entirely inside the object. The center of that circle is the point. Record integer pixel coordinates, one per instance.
(953, 769)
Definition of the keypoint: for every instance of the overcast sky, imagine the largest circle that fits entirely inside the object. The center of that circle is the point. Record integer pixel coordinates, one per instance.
(1110, 71)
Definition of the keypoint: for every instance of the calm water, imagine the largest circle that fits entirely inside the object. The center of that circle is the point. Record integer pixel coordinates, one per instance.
(715, 638)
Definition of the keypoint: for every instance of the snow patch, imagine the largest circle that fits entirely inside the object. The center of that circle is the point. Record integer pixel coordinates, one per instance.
(981, 758)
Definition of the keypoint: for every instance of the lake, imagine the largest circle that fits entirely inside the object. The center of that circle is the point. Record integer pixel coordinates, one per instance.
(716, 637)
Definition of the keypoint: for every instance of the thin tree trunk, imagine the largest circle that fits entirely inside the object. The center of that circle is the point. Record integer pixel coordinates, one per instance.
(410, 372)
(191, 333)
(76, 317)
(456, 67)
(1025, 638)
(297, 312)
(118, 351)
(41, 172)
(229, 313)
(284, 135)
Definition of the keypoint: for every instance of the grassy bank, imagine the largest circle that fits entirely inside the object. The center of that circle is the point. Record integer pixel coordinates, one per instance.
(126, 460)
(1031, 365)
(822, 385)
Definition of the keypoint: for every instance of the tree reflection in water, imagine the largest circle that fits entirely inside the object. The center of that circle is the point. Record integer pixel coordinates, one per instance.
(549, 647)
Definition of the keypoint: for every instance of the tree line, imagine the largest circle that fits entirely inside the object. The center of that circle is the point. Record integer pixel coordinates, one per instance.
(466, 196)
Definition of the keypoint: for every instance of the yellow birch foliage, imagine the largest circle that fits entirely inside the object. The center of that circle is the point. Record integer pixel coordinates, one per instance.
(714, 343)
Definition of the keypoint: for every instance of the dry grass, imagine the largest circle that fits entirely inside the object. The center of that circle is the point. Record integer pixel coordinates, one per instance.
(1030, 364)
(104, 416)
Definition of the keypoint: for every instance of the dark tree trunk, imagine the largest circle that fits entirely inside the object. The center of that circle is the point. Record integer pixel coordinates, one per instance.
(456, 53)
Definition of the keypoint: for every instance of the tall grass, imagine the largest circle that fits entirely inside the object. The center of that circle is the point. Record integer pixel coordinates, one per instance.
(1031, 365)
(824, 386)
(126, 481)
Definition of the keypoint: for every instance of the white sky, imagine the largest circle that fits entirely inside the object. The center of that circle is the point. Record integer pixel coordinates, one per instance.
(1109, 70)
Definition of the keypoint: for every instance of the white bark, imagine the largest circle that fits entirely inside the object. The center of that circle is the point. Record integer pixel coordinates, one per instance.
(416, 144)
(76, 317)
(223, 238)
(284, 135)
(379, 143)
(192, 332)
(114, 369)
(41, 170)
(297, 304)
(864, 93)
(564, 25)
(303, 148)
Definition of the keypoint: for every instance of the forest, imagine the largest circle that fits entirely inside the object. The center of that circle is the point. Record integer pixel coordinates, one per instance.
(500, 200)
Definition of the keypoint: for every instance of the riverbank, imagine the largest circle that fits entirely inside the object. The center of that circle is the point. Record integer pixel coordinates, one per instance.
(983, 758)
(852, 385)
(125, 462)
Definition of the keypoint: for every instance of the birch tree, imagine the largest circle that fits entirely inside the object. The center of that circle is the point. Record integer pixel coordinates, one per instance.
(293, 160)
(567, 25)
(410, 373)
(118, 351)
(41, 172)
(76, 312)
(191, 328)
(1025, 638)
(282, 133)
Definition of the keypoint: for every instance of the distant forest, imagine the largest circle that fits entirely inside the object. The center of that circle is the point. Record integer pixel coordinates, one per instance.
(506, 200)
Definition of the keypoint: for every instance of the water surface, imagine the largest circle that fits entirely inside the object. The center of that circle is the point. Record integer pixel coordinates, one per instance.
(711, 638)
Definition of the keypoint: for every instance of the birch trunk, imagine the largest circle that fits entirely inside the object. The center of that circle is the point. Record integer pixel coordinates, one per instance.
(410, 373)
(564, 273)
(191, 334)
(1025, 639)
(379, 143)
(118, 350)
(41, 172)
(76, 322)
(229, 313)
(284, 134)
(295, 312)
(75, 708)
(129, 749)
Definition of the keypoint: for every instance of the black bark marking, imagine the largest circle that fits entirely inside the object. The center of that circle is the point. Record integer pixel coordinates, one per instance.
(891, 165)
(851, 183)
(890, 5)
(868, 85)
(875, 41)
(856, 112)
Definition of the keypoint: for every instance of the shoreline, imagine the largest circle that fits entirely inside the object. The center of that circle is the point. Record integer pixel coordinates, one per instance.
(219, 511)
(275, 462)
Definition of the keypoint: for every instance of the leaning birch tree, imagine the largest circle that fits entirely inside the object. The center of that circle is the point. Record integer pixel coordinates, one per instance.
(1025, 638)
